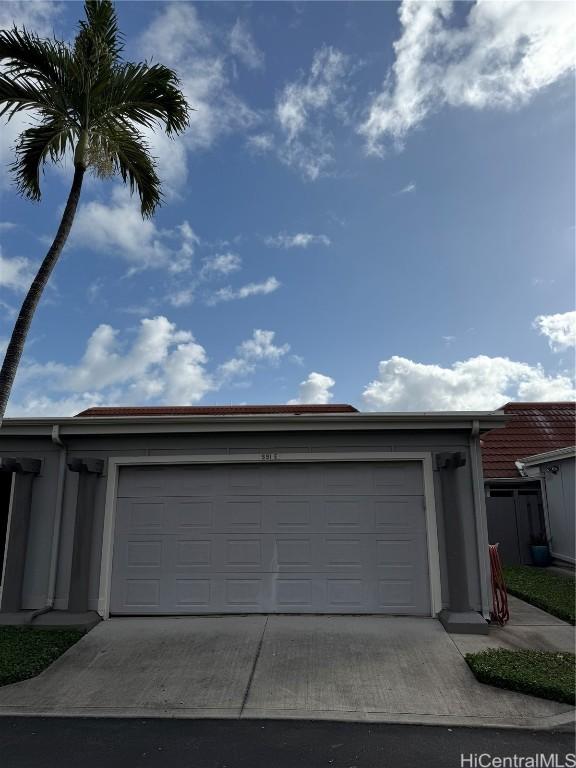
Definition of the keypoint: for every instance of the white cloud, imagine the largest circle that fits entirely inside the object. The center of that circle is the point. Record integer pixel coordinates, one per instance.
(305, 141)
(261, 347)
(171, 155)
(560, 330)
(242, 46)
(479, 383)
(155, 363)
(258, 349)
(15, 273)
(251, 289)
(118, 229)
(213, 268)
(235, 368)
(182, 297)
(6, 225)
(36, 16)
(9, 312)
(94, 290)
(299, 240)
(300, 99)
(407, 189)
(41, 405)
(104, 363)
(260, 142)
(314, 390)
(499, 58)
(220, 264)
(161, 363)
(178, 38)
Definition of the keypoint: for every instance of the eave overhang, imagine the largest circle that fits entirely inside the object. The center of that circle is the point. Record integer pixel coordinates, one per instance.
(542, 458)
(473, 421)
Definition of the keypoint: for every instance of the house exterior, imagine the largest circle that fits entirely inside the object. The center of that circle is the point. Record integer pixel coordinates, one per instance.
(556, 472)
(529, 480)
(261, 509)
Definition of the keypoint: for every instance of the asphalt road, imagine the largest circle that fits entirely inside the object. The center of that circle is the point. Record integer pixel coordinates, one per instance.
(116, 743)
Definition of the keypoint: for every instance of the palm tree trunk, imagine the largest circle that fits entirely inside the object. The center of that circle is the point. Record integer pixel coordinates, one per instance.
(22, 325)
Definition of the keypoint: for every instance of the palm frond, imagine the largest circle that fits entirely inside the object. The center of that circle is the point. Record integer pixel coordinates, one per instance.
(36, 145)
(103, 22)
(85, 99)
(147, 95)
(26, 55)
(97, 44)
(27, 94)
(132, 159)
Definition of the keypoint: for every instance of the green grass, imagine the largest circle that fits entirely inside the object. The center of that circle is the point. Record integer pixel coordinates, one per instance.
(552, 592)
(548, 674)
(25, 652)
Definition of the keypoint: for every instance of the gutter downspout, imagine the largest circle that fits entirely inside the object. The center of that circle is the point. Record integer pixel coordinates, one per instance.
(481, 519)
(55, 544)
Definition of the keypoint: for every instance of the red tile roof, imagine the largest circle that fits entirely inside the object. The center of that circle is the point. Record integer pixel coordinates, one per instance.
(216, 410)
(533, 428)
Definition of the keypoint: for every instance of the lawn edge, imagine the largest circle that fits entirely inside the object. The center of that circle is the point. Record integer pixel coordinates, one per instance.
(13, 678)
(497, 680)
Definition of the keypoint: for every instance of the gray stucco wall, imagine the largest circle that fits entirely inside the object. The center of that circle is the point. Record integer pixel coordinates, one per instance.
(45, 489)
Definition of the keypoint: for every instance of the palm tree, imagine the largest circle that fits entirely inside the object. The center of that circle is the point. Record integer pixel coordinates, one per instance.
(86, 102)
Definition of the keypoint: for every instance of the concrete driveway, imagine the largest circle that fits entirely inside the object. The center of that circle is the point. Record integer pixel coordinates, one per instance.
(331, 667)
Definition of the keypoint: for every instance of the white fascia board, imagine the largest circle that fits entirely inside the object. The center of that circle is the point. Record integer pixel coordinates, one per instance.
(74, 425)
(541, 458)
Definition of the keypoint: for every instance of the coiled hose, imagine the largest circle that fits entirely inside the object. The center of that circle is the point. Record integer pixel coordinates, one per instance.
(499, 613)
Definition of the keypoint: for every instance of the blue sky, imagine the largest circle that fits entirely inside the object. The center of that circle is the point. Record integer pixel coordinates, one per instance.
(374, 203)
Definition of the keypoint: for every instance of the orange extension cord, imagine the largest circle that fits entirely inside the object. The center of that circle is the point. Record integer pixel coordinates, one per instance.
(499, 613)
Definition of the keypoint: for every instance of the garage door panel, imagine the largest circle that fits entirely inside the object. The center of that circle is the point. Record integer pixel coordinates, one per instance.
(397, 477)
(215, 480)
(168, 481)
(193, 594)
(284, 478)
(346, 513)
(395, 593)
(398, 514)
(399, 551)
(269, 593)
(144, 554)
(315, 538)
(187, 514)
(283, 513)
(362, 514)
(142, 482)
(238, 514)
(271, 552)
(142, 594)
(193, 552)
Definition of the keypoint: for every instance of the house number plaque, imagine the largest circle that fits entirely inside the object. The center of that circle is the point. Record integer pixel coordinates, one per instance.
(270, 456)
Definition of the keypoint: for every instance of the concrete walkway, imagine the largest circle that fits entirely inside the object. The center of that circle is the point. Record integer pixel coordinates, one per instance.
(529, 627)
(403, 670)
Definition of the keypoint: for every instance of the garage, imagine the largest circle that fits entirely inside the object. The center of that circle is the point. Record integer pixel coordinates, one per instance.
(252, 509)
(314, 537)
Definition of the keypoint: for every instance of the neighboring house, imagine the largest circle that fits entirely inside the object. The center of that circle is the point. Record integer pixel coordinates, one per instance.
(555, 470)
(255, 509)
(525, 497)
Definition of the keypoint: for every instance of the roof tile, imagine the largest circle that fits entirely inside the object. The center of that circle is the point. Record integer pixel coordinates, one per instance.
(534, 428)
(216, 410)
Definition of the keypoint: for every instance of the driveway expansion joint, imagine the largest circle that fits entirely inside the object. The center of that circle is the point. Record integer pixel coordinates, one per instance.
(253, 670)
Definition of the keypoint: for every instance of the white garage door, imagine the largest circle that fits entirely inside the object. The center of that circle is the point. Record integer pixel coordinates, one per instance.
(264, 538)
